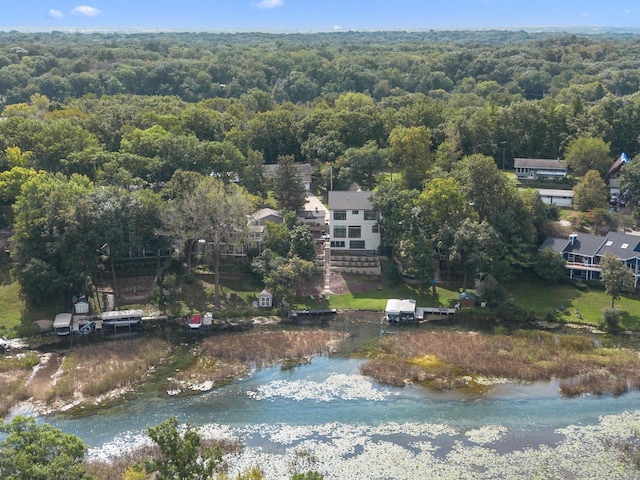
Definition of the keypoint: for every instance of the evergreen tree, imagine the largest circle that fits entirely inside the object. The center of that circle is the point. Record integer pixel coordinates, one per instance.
(288, 188)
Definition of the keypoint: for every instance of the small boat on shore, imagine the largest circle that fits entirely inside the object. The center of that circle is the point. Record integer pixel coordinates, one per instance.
(121, 318)
(62, 324)
(195, 321)
(87, 328)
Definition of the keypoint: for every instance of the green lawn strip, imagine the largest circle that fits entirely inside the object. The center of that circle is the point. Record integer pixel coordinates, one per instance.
(377, 299)
(591, 303)
(13, 307)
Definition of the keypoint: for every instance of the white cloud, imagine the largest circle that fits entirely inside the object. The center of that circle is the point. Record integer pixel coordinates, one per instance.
(86, 11)
(55, 13)
(269, 3)
(337, 27)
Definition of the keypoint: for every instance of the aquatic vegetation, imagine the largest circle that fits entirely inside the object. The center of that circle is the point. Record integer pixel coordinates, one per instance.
(337, 386)
(448, 360)
(360, 452)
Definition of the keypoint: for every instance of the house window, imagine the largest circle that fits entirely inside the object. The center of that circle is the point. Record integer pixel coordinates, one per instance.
(265, 301)
(337, 244)
(339, 214)
(355, 231)
(375, 228)
(356, 244)
(355, 212)
(340, 231)
(370, 215)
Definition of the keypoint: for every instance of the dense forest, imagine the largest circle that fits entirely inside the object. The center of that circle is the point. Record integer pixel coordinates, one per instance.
(100, 134)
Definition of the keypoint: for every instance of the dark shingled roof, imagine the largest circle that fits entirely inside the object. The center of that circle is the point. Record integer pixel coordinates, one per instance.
(585, 244)
(621, 245)
(555, 244)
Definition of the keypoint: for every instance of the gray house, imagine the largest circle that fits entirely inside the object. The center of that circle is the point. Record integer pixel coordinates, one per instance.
(583, 253)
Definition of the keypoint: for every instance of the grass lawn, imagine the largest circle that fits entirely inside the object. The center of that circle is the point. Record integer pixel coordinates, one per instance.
(377, 299)
(13, 308)
(530, 293)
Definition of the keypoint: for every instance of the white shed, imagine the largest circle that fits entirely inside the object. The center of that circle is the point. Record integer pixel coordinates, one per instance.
(561, 198)
(265, 299)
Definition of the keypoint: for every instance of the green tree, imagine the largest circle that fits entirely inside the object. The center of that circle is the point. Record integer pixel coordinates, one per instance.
(475, 250)
(287, 188)
(39, 452)
(252, 175)
(362, 164)
(549, 266)
(215, 212)
(302, 243)
(630, 178)
(277, 238)
(590, 192)
(411, 152)
(282, 276)
(47, 258)
(11, 182)
(181, 454)
(588, 153)
(616, 276)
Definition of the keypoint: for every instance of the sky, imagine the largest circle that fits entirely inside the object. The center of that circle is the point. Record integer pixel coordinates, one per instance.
(315, 15)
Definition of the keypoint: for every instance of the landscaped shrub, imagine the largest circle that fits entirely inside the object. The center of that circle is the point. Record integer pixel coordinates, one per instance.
(510, 311)
(611, 320)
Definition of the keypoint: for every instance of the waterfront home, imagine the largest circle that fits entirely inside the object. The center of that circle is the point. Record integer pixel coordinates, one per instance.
(354, 224)
(583, 253)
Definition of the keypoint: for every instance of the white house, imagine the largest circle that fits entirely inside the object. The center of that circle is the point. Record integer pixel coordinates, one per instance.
(539, 168)
(354, 224)
(561, 198)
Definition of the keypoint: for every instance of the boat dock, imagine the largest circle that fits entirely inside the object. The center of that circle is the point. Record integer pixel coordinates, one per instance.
(422, 311)
(319, 312)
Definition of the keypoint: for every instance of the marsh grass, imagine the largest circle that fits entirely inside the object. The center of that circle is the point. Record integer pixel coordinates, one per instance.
(91, 371)
(14, 372)
(221, 358)
(445, 360)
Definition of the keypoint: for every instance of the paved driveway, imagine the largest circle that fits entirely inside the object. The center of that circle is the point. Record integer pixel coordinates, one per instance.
(314, 203)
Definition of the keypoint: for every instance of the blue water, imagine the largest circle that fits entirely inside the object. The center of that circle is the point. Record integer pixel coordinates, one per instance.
(531, 413)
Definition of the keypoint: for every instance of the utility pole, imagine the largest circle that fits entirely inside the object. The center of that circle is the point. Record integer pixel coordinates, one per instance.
(504, 144)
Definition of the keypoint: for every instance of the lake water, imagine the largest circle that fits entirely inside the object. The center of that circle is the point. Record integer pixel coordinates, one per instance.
(327, 417)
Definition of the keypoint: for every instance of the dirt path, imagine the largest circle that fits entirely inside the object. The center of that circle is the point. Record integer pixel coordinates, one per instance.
(41, 382)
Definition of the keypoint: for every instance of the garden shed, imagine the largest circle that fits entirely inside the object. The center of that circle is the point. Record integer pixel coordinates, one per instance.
(466, 299)
(265, 299)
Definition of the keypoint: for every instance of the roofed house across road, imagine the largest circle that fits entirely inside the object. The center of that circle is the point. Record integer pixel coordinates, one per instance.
(539, 169)
(561, 198)
(305, 172)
